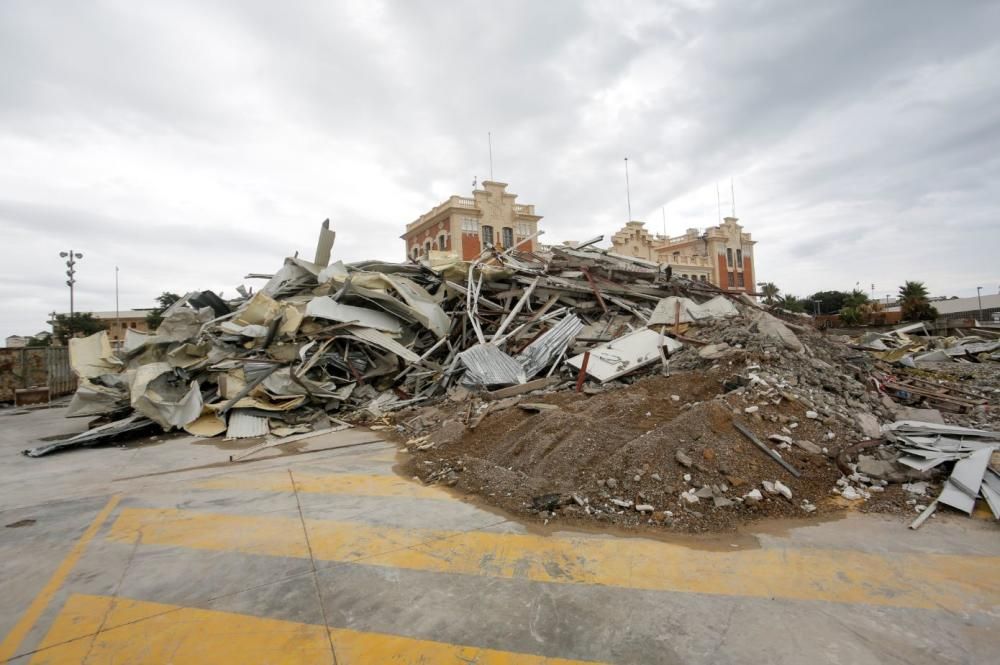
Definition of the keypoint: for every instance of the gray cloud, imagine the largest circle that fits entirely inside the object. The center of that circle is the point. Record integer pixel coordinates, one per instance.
(192, 142)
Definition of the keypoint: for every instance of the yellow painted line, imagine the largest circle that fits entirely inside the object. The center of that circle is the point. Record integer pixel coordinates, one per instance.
(17, 634)
(931, 581)
(142, 632)
(330, 483)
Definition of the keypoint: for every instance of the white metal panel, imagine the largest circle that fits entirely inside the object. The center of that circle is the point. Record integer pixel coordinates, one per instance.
(325, 307)
(243, 425)
(625, 354)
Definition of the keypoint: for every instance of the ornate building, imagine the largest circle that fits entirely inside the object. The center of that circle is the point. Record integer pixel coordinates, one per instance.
(465, 226)
(722, 255)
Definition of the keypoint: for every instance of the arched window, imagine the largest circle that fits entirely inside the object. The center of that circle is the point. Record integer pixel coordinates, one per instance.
(427, 247)
(415, 251)
(487, 234)
(442, 242)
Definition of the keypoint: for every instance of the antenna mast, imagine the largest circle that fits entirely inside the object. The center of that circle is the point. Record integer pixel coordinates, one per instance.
(489, 139)
(718, 200)
(663, 209)
(732, 191)
(628, 193)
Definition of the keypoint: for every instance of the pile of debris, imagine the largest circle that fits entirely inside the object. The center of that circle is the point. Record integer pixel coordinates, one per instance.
(322, 338)
(572, 382)
(925, 446)
(913, 345)
(957, 374)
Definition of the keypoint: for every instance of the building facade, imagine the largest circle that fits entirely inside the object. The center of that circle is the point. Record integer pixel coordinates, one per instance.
(16, 342)
(722, 255)
(466, 226)
(116, 323)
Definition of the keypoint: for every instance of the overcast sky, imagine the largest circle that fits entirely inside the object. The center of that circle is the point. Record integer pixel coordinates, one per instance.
(190, 143)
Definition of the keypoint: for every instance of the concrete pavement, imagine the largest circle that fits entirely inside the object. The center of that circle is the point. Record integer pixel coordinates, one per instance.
(165, 552)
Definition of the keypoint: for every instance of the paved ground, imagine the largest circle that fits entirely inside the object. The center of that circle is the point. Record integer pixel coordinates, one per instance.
(327, 556)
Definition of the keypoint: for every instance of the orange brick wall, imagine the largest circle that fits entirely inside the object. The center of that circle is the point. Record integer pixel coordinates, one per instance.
(471, 246)
(723, 272)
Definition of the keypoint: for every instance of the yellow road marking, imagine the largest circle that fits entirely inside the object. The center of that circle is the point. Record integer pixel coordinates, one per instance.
(931, 581)
(41, 601)
(331, 483)
(143, 632)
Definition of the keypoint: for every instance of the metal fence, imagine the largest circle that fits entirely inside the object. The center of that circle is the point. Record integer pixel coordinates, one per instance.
(34, 367)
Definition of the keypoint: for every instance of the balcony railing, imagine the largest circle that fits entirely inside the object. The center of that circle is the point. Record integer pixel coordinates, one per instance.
(524, 209)
(691, 261)
(463, 202)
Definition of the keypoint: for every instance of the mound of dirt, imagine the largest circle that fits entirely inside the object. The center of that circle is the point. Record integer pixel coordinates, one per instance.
(626, 456)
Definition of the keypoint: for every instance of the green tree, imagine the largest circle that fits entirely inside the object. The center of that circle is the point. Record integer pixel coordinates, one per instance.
(81, 325)
(851, 316)
(155, 317)
(791, 303)
(830, 302)
(914, 304)
(855, 299)
(770, 292)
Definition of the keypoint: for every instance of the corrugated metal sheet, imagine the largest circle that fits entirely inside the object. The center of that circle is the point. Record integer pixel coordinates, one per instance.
(243, 425)
(544, 350)
(486, 365)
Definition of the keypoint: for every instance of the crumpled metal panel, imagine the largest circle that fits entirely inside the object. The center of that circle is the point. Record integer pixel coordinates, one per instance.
(383, 341)
(325, 307)
(486, 365)
(544, 350)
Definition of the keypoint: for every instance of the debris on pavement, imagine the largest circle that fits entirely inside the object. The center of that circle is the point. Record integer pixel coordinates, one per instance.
(568, 382)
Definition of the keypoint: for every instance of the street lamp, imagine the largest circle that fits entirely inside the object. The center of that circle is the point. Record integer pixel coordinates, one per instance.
(979, 296)
(71, 258)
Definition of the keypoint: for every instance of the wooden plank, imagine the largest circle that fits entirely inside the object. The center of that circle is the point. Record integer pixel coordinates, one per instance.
(521, 388)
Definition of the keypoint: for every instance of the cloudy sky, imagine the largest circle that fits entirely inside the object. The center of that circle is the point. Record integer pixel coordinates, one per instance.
(190, 143)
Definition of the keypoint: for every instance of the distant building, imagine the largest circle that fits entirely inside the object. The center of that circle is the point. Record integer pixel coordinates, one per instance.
(16, 342)
(130, 319)
(465, 226)
(965, 309)
(722, 255)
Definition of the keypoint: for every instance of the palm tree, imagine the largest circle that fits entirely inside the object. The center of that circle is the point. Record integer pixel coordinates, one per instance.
(770, 292)
(914, 291)
(791, 303)
(856, 299)
(913, 302)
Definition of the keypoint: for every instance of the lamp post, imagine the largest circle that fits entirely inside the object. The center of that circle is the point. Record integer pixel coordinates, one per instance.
(979, 297)
(71, 259)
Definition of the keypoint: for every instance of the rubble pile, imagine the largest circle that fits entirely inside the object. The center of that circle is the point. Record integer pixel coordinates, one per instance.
(753, 421)
(957, 374)
(572, 383)
(913, 345)
(321, 339)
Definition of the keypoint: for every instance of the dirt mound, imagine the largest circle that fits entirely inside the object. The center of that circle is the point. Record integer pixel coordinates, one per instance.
(599, 457)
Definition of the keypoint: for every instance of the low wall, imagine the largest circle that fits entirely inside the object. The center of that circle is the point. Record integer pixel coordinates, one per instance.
(31, 367)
